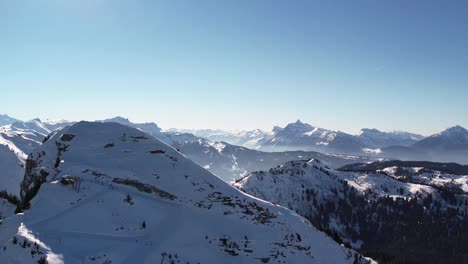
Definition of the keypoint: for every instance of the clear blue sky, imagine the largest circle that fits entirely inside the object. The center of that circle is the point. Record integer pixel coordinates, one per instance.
(240, 64)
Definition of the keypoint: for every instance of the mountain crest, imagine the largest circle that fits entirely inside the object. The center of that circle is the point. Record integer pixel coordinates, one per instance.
(6, 120)
(298, 127)
(457, 129)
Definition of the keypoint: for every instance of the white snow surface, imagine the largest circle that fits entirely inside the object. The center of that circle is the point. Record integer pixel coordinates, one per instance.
(430, 177)
(285, 179)
(17, 140)
(246, 138)
(284, 184)
(140, 201)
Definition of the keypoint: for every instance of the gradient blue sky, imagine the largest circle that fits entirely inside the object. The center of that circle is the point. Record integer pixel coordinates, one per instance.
(239, 64)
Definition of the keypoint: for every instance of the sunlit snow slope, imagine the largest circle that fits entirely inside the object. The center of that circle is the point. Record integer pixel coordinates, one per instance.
(107, 193)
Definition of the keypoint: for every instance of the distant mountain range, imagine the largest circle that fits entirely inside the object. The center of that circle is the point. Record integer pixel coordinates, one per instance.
(227, 161)
(247, 151)
(231, 162)
(450, 145)
(374, 138)
(447, 146)
(302, 136)
(249, 139)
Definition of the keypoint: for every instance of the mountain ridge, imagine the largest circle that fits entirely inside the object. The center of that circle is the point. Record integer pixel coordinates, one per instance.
(167, 211)
(393, 214)
(6, 120)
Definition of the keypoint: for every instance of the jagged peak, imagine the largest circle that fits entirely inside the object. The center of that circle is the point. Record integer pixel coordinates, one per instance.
(369, 130)
(118, 119)
(455, 130)
(127, 122)
(35, 120)
(298, 125)
(6, 116)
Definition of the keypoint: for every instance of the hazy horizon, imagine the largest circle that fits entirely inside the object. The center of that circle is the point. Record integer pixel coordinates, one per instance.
(225, 129)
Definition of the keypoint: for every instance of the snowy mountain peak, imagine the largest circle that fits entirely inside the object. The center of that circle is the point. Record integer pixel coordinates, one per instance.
(452, 139)
(276, 129)
(118, 119)
(151, 128)
(32, 126)
(369, 130)
(455, 129)
(374, 138)
(302, 136)
(298, 127)
(291, 168)
(6, 120)
(5, 116)
(456, 135)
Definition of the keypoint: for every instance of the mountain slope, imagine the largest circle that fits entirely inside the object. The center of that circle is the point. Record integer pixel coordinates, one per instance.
(452, 139)
(302, 136)
(450, 145)
(12, 167)
(6, 120)
(247, 139)
(374, 138)
(149, 127)
(395, 215)
(229, 161)
(17, 140)
(126, 197)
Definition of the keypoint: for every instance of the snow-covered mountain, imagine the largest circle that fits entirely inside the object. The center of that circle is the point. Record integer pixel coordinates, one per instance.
(248, 138)
(149, 127)
(6, 120)
(228, 161)
(450, 145)
(17, 140)
(225, 160)
(373, 138)
(446, 168)
(34, 130)
(394, 214)
(452, 139)
(107, 193)
(204, 133)
(302, 136)
(11, 166)
(231, 162)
